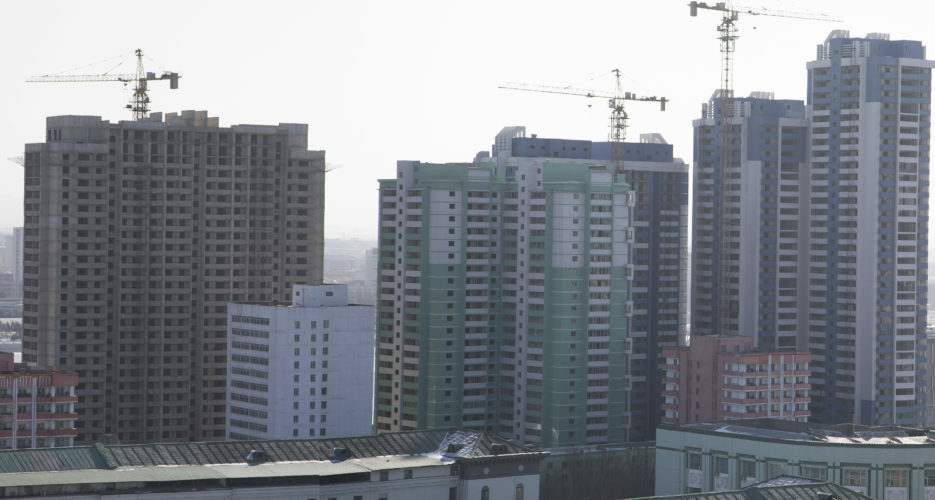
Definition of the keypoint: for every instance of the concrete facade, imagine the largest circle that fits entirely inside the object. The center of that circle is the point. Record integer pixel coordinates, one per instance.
(728, 378)
(137, 235)
(748, 220)
(304, 370)
(657, 270)
(869, 104)
(503, 299)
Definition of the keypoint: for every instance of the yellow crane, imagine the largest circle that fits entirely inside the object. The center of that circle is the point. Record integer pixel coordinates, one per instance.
(615, 101)
(139, 102)
(727, 34)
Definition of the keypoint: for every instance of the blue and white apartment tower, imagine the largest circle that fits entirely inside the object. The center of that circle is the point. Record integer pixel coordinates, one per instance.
(657, 271)
(869, 104)
(748, 223)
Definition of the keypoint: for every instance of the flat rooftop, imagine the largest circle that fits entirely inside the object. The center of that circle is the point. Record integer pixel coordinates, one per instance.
(784, 430)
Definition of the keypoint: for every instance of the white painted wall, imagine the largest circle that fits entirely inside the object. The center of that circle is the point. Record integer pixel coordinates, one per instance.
(340, 356)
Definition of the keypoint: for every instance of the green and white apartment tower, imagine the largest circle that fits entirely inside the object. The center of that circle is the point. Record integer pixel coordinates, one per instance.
(504, 297)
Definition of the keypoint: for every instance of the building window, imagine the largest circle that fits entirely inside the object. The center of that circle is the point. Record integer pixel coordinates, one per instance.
(819, 472)
(855, 479)
(453, 493)
(774, 469)
(694, 461)
(407, 474)
(720, 473)
(694, 472)
(895, 478)
(384, 475)
(930, 477)
(519, 491)
(747, 472)
(485, 493)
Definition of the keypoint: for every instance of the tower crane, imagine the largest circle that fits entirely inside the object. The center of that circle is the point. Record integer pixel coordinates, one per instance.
(727, 34)
(615, 101)
(139, 102)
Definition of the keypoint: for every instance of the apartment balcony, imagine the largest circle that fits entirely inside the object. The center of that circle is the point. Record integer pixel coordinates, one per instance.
(53, 432)
(744, 401)
(50, 416)
(744, 415)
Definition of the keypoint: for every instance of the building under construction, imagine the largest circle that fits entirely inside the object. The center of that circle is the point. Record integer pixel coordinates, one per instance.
(137, 235)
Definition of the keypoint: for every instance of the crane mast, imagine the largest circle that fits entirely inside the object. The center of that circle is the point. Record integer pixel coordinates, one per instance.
(728, 307)
(139, 101)
(615, 101)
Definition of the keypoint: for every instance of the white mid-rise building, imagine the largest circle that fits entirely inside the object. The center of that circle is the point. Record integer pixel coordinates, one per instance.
(303, 370)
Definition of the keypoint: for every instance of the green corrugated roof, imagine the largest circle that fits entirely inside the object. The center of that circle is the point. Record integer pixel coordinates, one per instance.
(35, 460)
(235, 452)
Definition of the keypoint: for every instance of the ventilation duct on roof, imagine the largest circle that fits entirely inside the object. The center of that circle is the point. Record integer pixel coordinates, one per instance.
(256, 457)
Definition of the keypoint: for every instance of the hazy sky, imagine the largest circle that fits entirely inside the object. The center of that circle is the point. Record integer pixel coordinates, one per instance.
(380, 81)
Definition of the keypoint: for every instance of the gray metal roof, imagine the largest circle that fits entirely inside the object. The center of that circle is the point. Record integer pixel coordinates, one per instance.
(299, 456)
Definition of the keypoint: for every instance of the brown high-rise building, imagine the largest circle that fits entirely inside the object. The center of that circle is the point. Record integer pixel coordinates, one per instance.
(137, 235)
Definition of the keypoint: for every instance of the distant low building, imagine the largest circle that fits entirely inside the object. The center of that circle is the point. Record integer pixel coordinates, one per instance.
(37, 408)
(300, 370)
(452, 464)
(725, 378)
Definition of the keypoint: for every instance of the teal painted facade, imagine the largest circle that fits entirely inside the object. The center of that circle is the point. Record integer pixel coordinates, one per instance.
(503, 298)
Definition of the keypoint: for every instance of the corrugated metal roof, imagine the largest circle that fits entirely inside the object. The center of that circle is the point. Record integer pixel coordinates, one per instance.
(169, 473)
(34, 460)
(165, 474)
(477, 444)
(287, 469)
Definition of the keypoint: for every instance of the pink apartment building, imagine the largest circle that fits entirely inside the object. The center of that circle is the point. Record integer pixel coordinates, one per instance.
(725, 378)
(37, 407)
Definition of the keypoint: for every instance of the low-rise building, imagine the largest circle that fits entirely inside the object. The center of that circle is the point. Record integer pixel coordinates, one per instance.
(304, 370)
(37, 407)
(438, 464)
(727, 378)
(882, 462)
